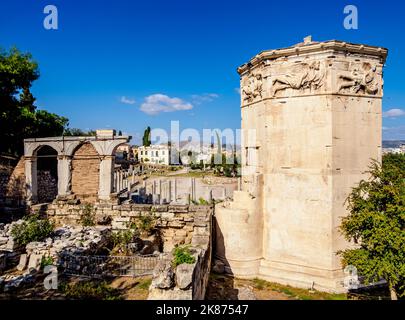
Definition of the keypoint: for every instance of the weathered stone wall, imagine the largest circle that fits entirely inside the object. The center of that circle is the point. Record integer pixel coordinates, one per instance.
(5, 173)
(12, 183)
(178, 224)
(85, 173)
(186, 281)
(47, 186)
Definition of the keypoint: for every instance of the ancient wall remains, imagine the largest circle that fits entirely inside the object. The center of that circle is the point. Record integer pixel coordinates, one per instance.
(189, 225)
(47, 186)
(12, 184)
(178, 224)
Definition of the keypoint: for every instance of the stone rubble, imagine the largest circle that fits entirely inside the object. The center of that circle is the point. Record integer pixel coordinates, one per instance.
(64, 240)
(7, 242)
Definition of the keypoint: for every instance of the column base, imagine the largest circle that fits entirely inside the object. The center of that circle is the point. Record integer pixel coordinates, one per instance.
(244, 269)
(302, 276)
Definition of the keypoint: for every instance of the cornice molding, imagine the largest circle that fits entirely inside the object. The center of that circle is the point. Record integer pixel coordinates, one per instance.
(314, 47)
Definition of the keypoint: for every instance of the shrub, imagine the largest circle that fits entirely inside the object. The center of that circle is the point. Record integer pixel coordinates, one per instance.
(121, 239)
(90, 291)
(182, 255)
(32, 229)
(376, 221)
(146, 223)
(46, 261)
(202, 201)
(88, 217)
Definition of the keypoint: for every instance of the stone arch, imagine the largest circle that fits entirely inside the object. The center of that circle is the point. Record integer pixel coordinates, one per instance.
(33, 147)
(120, 167)
(46, 173)
(86, 172)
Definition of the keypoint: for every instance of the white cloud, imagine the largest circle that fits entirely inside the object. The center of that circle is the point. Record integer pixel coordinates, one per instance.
(394, 113)
(206, 97)
(126, 100)
(157, 103)
(394, 133)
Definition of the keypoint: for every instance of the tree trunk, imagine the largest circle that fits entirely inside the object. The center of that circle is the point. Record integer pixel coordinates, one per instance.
(393, 293)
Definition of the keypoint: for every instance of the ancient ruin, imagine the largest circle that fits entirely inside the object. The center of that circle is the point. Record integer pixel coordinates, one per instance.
(316, 109)
(311, 120)
(75, 167)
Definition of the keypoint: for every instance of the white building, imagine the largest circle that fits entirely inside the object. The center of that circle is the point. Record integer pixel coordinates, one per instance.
(155, 154)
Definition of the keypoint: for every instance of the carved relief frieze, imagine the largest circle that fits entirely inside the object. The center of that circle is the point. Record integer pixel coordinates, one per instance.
(252, 87)
(361, 78)
(301, 77)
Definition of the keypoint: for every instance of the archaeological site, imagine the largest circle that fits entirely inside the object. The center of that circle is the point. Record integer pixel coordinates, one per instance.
(311, 120)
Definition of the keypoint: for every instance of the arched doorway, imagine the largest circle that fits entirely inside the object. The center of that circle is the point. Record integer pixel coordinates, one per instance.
(47, 174)
(86, 173)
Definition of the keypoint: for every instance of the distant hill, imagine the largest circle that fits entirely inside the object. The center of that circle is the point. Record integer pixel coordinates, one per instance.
(393, 143)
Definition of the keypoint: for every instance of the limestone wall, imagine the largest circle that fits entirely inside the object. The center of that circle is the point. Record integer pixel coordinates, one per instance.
(178, 224)
(189, 225)
(186, 281)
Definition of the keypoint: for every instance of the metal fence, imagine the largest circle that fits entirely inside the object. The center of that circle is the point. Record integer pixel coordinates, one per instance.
(102, 266)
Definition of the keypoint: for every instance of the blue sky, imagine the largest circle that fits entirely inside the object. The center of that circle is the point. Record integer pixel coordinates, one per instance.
(108, 58)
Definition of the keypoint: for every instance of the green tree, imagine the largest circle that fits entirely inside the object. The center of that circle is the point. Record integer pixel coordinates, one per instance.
(146, 140)
(19, 118)
(75, 132)
(376, 222)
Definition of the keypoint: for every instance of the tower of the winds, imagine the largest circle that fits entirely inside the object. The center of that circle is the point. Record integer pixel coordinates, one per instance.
(311, 123)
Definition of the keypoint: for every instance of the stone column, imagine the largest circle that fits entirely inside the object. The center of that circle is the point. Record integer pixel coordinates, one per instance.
(64, 175)
(175, 189)
(119, 181)
(115, 181)
(169, 191)
(31, 180)
(106, 177)
(193, 190)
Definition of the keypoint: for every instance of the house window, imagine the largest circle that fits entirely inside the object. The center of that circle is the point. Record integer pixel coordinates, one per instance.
(141, 153)
(157, 153)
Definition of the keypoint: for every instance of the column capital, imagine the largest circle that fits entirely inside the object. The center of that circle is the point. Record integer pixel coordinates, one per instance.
(107, 157)
(64, 157)
(30, 158)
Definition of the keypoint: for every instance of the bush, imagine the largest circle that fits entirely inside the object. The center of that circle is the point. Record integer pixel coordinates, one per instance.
(203, 202)
(182, 255)
(88, 217)
(146, 223)
(90, 291)
(121, 239)
(376, 221)
(46, 261)
(32, 229)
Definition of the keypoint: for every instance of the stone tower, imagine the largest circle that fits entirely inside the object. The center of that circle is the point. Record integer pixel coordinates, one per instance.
(312, 122)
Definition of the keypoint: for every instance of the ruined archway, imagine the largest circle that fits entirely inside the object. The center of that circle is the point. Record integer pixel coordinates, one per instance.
(47, 173)
(86, 172)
